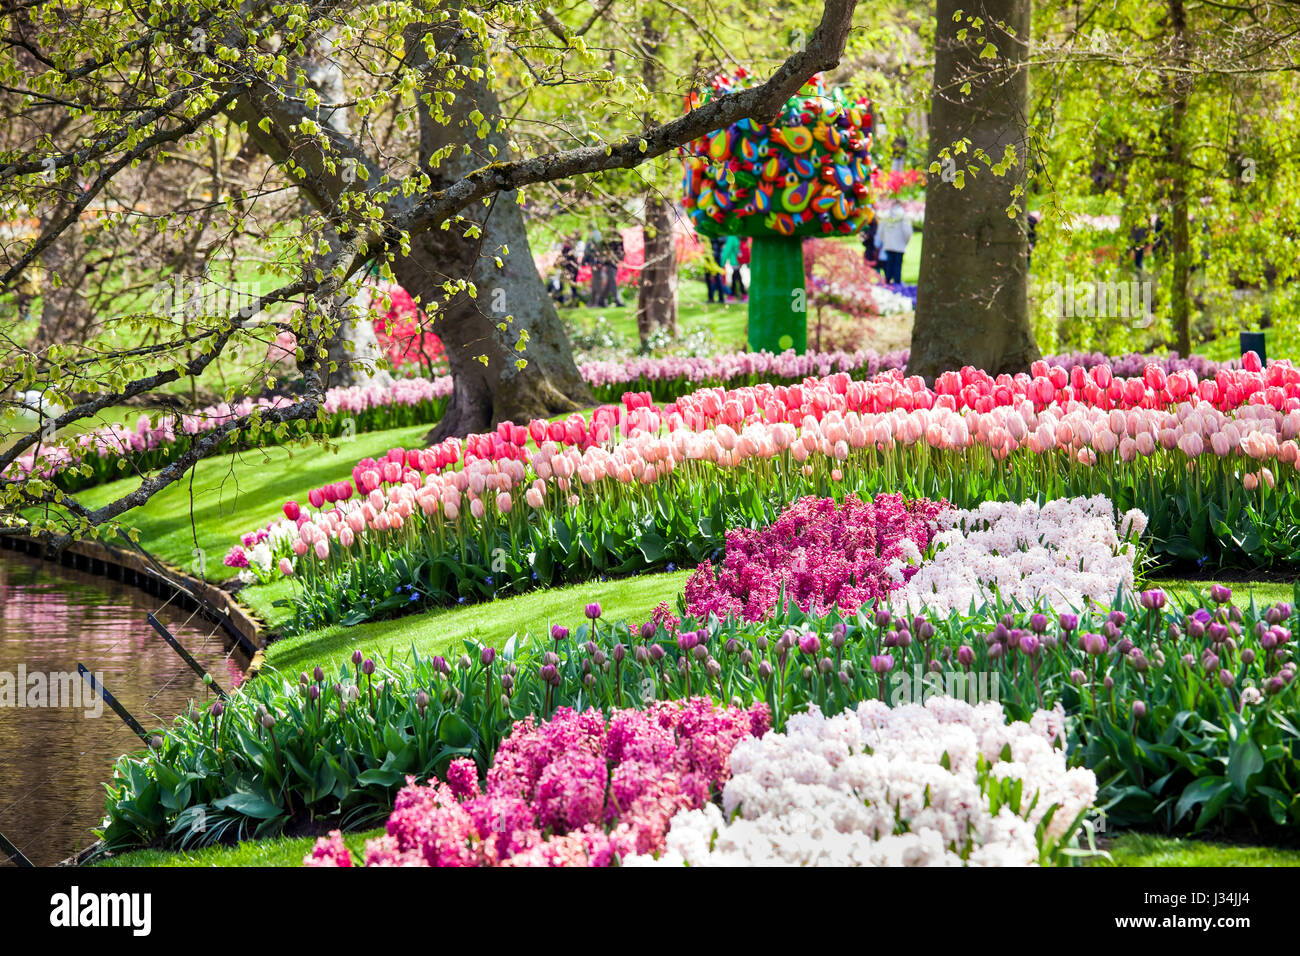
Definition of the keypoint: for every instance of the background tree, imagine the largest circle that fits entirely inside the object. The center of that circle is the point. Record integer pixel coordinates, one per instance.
(972, 304)
(420, 184)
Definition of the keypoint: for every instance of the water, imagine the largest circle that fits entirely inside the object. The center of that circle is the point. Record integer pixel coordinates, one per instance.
(54, 760)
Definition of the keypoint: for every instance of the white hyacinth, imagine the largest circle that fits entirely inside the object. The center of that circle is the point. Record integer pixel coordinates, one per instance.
(884, 786)
(1063, 554)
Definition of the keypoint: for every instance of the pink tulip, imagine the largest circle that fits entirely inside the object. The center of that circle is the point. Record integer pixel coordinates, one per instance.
(286, 567)
(322, 548)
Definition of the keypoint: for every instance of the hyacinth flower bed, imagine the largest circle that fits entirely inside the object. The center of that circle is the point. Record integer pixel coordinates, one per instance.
(946, 784)
(1186, 715)
(1212, 463)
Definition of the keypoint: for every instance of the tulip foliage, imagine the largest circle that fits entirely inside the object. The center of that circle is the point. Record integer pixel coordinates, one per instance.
(1187, 714)
(1212, 463)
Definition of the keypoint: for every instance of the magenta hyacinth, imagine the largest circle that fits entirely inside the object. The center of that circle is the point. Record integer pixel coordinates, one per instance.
(821, 555)
(573, 790)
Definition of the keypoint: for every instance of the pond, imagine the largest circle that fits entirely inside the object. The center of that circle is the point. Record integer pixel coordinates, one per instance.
(57, 741)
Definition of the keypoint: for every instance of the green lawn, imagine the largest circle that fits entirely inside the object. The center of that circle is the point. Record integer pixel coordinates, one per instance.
(1264, 592)
(1128, 849)
(1145, 849)
(441, 631)
(274, 851)
(238, 493)
(726, 323)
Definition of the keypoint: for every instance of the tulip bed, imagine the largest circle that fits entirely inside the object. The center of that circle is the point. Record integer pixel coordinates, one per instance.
(103, 453)
(109, 451)
(1211, 463)
(915, 633)
(1187, 716)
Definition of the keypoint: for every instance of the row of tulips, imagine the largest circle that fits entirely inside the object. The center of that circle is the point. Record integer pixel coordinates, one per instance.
(1188, 715)
(109, 451)
(1217, 487)
(102, 453)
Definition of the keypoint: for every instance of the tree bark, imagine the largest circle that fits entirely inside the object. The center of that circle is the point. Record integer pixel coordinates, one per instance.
(656, 301)
(354, 348)
(1179, 226)
(972, 296)
(508, 353)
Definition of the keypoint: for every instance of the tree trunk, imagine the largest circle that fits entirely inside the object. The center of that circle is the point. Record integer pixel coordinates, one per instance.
(507, 349)
(1179, 226)
(656, 301)
(354, 348)
(972, 301)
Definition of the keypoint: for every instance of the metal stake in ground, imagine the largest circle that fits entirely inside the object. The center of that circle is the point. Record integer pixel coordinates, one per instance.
(195, 666)
(11, 851)
(109, 699)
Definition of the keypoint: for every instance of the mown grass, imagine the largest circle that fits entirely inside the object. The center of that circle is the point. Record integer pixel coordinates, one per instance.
(273, 851)
(1128, 849)
(442, 630)
(236, 493)
(1147, 849)
(1264, 592)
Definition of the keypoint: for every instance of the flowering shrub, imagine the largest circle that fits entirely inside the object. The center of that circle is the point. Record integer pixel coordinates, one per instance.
(1065, 554)
(572, 790)
(405, 334)
(818, 556)
(944, 784)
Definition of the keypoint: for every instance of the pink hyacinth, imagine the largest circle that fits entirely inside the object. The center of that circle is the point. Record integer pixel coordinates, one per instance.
(573, 790)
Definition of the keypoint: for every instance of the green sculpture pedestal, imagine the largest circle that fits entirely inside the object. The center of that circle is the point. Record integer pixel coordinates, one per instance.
(778, 301)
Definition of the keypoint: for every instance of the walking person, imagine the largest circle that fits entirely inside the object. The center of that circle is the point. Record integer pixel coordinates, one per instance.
(895, 233)
(713, 273)
(612, 255)
(742, 271)
(591, 259)
(731, 262)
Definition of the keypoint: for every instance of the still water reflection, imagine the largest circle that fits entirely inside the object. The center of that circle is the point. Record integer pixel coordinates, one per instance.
(54, 759)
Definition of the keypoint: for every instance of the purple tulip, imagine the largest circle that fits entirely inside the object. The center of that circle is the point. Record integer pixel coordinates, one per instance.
(1038, 623)
(1069, 622)
(1139, 709)
(1220, 594)
(487, 656)
(1094, 644)
(882, 663)
(1154, 599)
(1226, 678)
(559, 632)
(965, 655)
(1028, 644)
(809, 644)
(593, 610)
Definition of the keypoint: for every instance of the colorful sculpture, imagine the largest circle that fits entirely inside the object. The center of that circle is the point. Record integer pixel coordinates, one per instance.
(807, 174)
